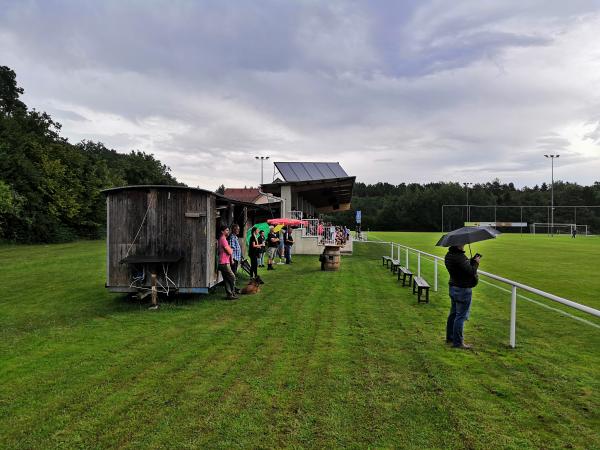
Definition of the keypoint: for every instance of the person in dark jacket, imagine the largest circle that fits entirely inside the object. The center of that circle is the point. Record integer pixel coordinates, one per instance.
(254, 252)
(463, 278)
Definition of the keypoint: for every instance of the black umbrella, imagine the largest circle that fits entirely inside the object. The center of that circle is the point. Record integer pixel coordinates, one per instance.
(467, 235)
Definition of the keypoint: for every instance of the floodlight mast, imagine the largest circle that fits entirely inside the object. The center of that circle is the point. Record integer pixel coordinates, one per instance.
(262, 160)
(466, 185)
(552, 195)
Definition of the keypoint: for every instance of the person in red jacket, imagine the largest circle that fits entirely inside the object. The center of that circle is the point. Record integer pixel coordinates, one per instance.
(225, 253)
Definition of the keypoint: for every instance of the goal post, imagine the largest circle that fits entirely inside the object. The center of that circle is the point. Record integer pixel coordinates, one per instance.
(559, 228)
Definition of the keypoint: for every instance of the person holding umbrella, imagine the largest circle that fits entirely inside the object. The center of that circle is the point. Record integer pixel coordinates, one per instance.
(463, 278)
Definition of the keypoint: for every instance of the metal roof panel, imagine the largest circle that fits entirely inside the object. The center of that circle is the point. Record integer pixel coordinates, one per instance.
(310, 171)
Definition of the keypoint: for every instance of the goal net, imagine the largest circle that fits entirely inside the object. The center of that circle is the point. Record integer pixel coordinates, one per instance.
(559, 228)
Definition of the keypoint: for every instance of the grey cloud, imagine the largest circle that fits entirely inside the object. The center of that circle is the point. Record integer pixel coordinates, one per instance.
(552, 143)
(594, 135)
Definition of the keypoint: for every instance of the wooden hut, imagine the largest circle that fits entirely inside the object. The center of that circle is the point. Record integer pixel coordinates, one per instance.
(167, 236)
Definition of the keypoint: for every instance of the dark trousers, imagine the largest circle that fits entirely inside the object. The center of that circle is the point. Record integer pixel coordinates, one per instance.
(253, 266)
(459, 312)
(288, 254)
(228, 278)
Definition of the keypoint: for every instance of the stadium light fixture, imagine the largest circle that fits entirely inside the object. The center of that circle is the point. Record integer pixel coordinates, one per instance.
(262, 160)
(551, 157)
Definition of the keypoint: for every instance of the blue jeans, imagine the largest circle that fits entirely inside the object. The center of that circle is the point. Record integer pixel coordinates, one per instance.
(459, 312)
(288, 254)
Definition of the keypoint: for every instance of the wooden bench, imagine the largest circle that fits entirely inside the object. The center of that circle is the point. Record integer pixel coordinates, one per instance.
(386, 260)
(405, 273)
(395, 263)
(419, 284)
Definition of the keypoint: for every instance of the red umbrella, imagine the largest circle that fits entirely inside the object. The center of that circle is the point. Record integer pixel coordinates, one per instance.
(286, 222)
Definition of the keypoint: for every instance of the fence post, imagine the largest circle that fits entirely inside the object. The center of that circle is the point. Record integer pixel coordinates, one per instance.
(435, 275)
(513, 317)
(419, 264)
(398, 253)
(407, 257)
(392, 245)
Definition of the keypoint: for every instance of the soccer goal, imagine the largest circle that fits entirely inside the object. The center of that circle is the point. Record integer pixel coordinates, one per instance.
(559, 228)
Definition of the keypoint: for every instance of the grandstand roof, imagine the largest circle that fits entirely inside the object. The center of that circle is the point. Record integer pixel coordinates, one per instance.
(310, 171)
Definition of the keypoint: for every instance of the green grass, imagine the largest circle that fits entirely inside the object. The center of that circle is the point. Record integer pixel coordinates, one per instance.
(344, 359)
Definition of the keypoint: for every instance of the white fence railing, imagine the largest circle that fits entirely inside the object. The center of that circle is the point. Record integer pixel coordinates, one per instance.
(296, 215)
(329, 235)
(310, 228)
(401, 253)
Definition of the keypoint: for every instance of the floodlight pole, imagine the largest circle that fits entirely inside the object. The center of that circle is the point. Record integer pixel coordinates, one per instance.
(466, 185)
(552, 194)
(262, 160)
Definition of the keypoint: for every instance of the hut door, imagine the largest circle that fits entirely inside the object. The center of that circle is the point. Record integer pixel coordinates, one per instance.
(195, 224)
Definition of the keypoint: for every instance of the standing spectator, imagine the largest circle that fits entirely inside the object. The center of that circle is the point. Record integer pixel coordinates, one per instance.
(288, 240)
(262, 242)
(234, 243)
(463, 278)
(253, 252)
(272, 245)
(225, 252)
(281, 249)
(236, 258)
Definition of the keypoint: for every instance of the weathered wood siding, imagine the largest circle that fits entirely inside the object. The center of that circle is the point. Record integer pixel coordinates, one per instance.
(158, 218)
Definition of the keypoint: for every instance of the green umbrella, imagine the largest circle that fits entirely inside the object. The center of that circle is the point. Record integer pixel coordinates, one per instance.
(261, 226)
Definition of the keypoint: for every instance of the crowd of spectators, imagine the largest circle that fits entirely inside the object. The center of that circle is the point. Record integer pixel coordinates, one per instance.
(276, 245)
(230, 256)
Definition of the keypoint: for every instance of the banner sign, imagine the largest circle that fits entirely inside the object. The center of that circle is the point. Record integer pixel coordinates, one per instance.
(358, 216)
(496, 224)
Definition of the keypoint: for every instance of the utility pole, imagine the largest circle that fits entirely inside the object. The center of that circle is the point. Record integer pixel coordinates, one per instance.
(552, 194)
(466, 185)
(262, 160)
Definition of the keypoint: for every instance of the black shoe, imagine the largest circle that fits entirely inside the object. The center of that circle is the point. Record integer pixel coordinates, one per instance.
(260, 281)
(463, 346)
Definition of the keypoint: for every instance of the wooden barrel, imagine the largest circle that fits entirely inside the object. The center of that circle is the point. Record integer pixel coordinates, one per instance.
(330, 259)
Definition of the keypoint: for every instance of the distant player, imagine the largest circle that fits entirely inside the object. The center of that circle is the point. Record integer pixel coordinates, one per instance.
(574, 232)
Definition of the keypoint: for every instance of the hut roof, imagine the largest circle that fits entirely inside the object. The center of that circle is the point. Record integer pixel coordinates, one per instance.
(184, 188)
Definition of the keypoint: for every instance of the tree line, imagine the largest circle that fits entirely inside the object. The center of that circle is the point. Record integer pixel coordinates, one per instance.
(50, 188)
(418, 207)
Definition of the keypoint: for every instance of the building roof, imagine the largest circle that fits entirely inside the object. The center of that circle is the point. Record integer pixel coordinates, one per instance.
(310, 171)
(333, 194)
(243, 194)
(220, 198)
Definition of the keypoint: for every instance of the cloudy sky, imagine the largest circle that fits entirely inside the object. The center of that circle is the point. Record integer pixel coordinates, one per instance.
(397, 91)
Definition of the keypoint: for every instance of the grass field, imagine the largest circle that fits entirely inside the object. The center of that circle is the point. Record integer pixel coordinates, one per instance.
(344, 359)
